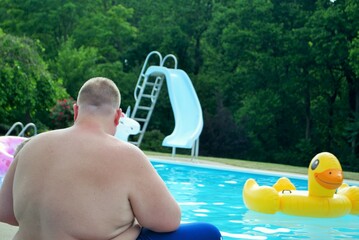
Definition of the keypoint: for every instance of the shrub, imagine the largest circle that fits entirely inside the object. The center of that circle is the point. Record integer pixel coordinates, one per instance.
(62, 114)
(152, 141)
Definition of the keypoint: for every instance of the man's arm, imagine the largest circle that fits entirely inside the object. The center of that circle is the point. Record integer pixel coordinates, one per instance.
(6, 197)
(152, 203)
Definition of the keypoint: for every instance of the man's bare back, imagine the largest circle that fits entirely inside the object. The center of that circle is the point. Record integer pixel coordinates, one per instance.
(83, 183)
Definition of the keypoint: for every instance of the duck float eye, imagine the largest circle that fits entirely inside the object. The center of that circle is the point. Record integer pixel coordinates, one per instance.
(315, 164)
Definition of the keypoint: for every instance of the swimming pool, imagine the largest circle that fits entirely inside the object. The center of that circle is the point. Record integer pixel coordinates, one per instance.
(214, 195)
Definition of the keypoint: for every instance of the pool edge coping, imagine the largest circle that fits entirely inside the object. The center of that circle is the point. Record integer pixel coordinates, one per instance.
(223, 166)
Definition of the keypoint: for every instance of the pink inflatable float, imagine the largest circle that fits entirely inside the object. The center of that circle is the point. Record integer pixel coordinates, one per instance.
(8, 146)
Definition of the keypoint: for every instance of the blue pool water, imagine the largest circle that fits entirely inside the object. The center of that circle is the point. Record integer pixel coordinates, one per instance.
(214, 195)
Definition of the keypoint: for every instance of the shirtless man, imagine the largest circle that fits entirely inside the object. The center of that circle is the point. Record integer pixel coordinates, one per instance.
(83, 183)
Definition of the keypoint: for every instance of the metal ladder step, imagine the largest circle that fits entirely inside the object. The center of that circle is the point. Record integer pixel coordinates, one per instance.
(140, 119)
(152, 84)
(147, 95)
(144, 108)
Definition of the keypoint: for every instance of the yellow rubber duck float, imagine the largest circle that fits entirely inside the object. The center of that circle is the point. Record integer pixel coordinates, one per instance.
(327, 196)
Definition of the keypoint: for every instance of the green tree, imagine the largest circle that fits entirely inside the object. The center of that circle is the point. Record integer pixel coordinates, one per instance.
(332, 38)
(50, 21)
(26, 88)
(74, 66)
(277, 80)
(108, 30)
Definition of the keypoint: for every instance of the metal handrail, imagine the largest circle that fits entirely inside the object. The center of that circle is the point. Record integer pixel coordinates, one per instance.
(13, 127)
(29, 125)
(23, 128)
(173, 58)
(143, 70)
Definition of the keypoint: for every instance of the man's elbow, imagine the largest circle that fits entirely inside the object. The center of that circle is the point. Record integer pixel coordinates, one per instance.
(173, 223)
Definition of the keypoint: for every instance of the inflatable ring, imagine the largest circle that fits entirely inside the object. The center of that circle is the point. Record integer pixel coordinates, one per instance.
(126, 127)
(327, 196)
(8, 145)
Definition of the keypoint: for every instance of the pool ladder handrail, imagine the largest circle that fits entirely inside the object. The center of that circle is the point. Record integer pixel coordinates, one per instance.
(23, 128)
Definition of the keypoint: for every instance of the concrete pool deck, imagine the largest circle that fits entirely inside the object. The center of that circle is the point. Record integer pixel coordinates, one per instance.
(7, 232)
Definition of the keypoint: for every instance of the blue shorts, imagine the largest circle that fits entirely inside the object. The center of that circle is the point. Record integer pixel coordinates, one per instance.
(188, 231)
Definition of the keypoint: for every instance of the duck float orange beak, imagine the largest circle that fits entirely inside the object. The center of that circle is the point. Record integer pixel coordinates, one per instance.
(325, 175)
(330, 179)
(325, 178)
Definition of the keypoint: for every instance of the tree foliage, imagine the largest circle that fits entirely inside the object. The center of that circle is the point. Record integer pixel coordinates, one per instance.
(26, 88)
(277, 80)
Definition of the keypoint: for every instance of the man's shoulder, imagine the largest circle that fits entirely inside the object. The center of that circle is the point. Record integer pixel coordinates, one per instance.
(130, 152)
(129, 149)
(50, 133)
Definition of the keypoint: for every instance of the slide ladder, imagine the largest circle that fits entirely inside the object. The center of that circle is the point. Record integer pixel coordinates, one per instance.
(186, 107)
(146, 93)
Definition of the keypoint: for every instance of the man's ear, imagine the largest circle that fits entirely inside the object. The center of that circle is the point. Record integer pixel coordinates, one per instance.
(76, 111)
(118, 116)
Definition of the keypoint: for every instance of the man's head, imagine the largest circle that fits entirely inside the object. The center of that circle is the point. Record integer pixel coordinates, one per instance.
(99, 97)
(99, 92)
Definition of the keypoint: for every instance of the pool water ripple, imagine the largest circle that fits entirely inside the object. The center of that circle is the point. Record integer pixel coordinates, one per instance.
(214, 195)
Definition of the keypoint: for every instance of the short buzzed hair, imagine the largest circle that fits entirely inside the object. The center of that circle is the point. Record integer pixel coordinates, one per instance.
(98, 92)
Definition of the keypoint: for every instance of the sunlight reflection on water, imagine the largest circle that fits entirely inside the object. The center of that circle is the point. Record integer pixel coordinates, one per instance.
(214, 195)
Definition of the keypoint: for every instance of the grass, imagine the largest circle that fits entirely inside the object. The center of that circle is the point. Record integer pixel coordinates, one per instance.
(248, 164)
